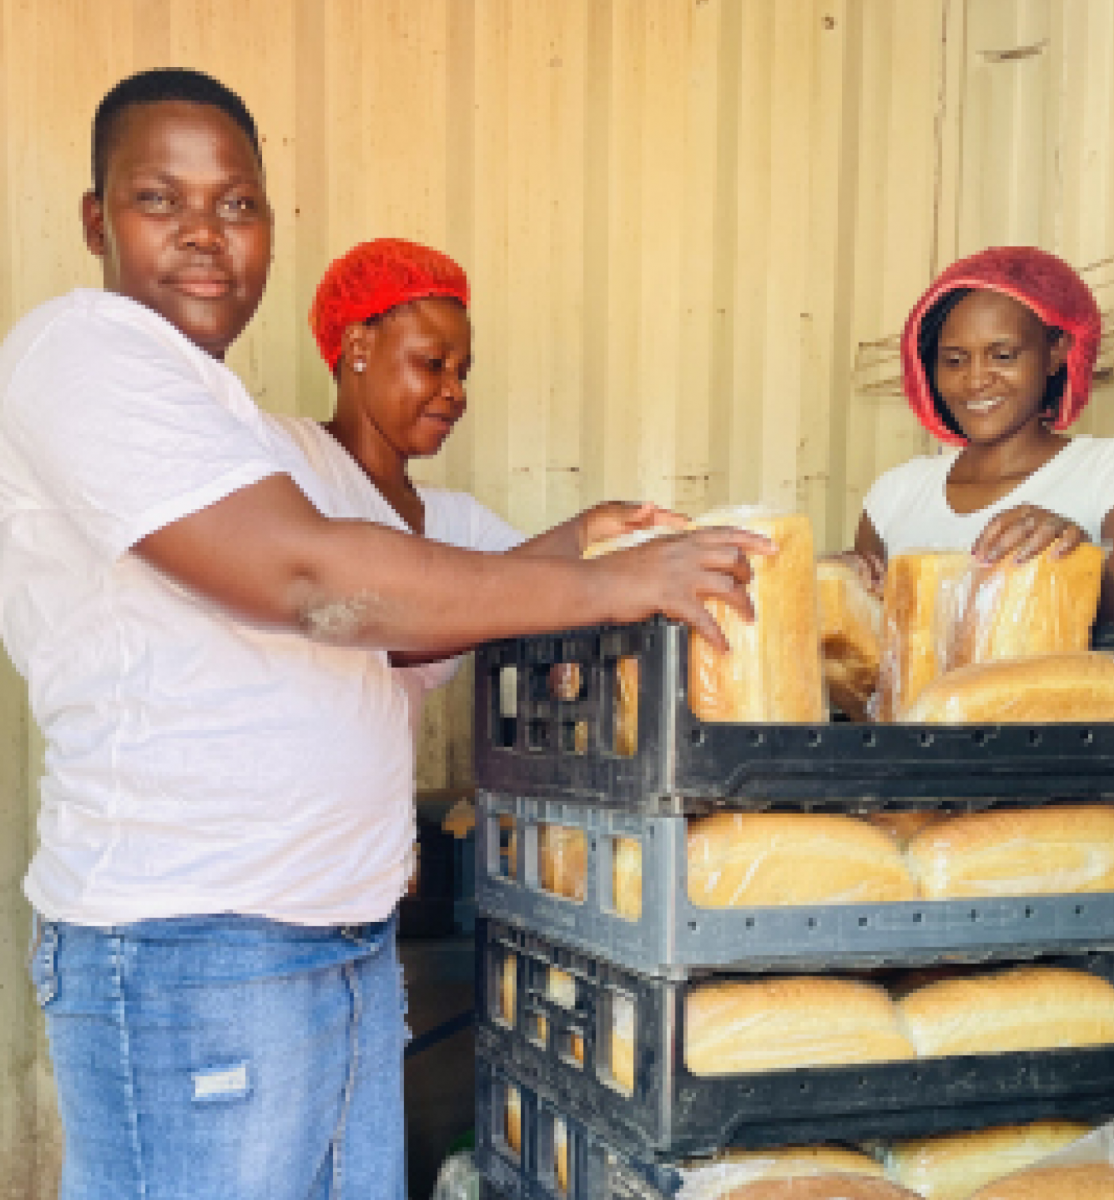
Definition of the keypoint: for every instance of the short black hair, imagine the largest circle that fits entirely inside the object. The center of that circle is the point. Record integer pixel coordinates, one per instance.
(149, 87)
(928, 346)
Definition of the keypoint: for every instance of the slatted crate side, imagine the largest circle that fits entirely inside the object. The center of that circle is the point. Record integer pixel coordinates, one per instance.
(562, 1043)
(669, 934)
(557, 1157)
(528, 740)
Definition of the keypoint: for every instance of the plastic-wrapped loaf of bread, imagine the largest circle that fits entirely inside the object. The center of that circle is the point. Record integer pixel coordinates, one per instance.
(718, 1177)
(915, 608)
(834, 1186)
(775, 1023)
(1090, 1181)
(945, 611)
(772, 670)
(954, 1165)
(1045, 605)
(563, 861)
(1054, 687)
(1021, 1008)
(752, 859)
(1053, 849)
(738, 860)
(850, 636)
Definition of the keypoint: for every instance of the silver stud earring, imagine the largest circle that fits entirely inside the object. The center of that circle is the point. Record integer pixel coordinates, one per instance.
(358, 366)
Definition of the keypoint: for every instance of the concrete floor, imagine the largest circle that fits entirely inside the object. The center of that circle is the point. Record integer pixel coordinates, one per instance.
(440, 1068)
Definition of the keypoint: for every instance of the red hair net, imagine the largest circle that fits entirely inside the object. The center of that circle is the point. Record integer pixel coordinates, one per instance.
(1040, 281)
(374, 277)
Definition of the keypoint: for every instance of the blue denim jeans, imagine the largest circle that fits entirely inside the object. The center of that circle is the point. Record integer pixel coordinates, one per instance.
(225, 1058)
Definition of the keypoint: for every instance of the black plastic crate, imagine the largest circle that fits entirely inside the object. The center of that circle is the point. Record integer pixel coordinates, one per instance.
(671, 936)
(594, 1170)
(537, 744)
(671, 1112)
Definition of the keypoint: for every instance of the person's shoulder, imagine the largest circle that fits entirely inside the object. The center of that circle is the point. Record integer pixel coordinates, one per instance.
(1086, 447)
(87, 328)
(912, 470)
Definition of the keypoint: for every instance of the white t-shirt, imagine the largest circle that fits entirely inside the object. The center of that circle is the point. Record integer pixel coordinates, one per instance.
(455, 518)
(195, 763)
(908, 505)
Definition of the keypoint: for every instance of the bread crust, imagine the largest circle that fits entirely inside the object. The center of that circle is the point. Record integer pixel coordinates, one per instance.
(1021, 1008)
(776, 1023)
(1093, 1181)
(1053, 687)
(835, 1186)
(1054, 849)
(752, 859)
(913, 608)
(772, 670)
(952, 1166)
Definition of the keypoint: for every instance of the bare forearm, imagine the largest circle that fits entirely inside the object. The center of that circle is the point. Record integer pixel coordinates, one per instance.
(360, 589)
(267, 555)
(562, 541)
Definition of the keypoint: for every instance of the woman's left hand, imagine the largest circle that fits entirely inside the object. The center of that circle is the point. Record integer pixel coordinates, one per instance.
(1021, 533)
(615, 517)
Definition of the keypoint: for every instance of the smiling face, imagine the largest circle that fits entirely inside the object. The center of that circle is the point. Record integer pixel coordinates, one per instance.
(417, 360)
(183, 226)
(993, 362)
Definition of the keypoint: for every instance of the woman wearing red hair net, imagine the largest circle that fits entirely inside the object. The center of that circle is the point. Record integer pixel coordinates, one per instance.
(390, 318)
(997, 358)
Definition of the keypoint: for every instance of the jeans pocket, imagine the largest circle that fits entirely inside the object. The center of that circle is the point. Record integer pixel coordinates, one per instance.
(42, 959)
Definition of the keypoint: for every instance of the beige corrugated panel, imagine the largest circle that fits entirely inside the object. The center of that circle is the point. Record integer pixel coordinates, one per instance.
(693, 228)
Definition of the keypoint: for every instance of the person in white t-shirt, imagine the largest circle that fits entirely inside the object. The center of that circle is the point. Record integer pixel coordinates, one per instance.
(997, 359)
(225, 816)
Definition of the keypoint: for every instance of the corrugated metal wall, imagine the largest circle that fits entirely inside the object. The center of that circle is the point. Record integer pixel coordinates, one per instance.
(693, 228)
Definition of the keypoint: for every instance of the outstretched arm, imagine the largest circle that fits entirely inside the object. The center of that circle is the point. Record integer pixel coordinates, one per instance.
(607, 520)
(266, 554)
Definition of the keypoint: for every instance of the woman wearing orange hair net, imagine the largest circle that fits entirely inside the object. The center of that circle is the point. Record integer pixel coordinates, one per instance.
(390, 318)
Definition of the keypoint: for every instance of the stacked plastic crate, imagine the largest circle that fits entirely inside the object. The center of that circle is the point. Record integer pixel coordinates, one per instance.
(582, 1091)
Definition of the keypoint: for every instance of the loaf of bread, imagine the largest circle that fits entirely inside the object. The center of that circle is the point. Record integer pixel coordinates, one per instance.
(751, 859)
(772, 670)
(850, 636)
(1046, 605)
(916, 611)
(1093, 1181)
(835, 1186)
(1020, 1008)
(563, 861)
(774, 1023)
(953, 1166)
(945, 611)
(1055, 687)
(1052, 849)
(738, 860)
